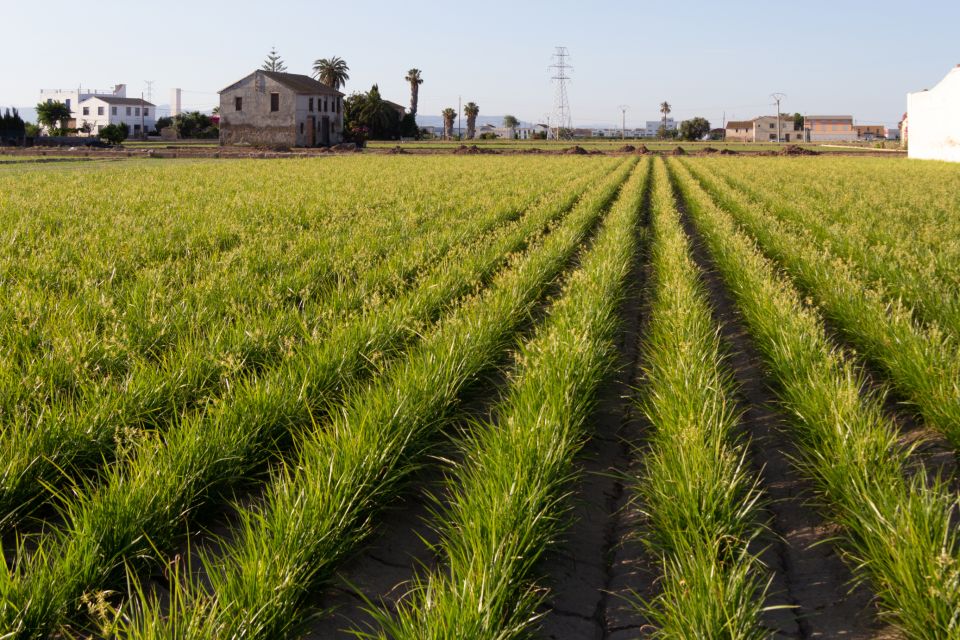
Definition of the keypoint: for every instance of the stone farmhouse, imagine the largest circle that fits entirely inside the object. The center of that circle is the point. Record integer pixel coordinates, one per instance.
(273, 109)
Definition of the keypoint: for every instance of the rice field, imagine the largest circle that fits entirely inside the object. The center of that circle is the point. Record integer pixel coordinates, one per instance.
(483, 397)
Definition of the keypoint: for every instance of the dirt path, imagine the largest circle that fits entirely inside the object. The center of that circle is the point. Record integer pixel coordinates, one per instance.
(808, 574)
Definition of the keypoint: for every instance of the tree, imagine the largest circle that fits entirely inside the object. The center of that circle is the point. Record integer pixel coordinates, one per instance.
(694, 129)
(798, 121)
(471, 110)
(665, 109)
(369, 115)
(666, 134)
(332, 72)
(413, 77)
(510, 122)
(449, 115)
(274, 62)
(163, 123)
(115, 133)
(194, 124)
(52, 114)
(12, 127)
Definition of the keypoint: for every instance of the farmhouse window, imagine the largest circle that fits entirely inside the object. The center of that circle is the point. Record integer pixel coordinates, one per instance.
(146, 111)
(274, 102)
(137, 111)
(113, 111)
(238, 104)
(128, 110)
(301, 128)
(99, 111)
(310, 105)
(86, 111)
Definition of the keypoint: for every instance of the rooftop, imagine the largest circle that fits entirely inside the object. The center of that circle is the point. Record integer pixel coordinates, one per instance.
(111, 99)
(294, 81)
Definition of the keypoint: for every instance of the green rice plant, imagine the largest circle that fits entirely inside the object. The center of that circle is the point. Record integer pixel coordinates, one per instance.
(38, 453)
(144, 503)
(318, 510)
(699, 495)
(923, 363)
(897, 533)
(876, 252)
(508, 499)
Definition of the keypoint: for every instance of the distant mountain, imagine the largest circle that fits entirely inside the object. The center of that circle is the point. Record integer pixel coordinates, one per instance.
(437, 121)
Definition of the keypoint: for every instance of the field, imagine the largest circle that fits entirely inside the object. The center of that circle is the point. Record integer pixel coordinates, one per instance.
(488, 397)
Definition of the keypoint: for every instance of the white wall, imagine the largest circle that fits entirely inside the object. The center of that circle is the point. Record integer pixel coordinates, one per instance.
(933, 121)
(98, 121)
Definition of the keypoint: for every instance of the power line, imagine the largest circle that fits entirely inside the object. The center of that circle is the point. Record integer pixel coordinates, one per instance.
(777, 97)
(623, 122)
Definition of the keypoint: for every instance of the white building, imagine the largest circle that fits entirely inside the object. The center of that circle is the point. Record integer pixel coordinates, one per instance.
(653, 127)
(73, 97)
(98, 111)
(932, 128)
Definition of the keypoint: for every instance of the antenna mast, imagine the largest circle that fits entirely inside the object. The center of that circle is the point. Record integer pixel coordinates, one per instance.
(561, 106)
(149, 90)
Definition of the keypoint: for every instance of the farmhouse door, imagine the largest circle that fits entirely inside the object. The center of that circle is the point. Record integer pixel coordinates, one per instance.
(312, 130)
(325, 130)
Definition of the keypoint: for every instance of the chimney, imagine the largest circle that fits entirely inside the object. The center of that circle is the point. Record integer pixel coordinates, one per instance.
(175, 102)
(120, 90)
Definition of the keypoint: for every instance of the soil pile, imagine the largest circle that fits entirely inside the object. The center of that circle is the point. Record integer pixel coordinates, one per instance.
(472, 150)
(794, 150)
(679, 151)
(627, 148)
(576, 151)
(709, 150)
(727, 152)
(398, 150)
(643, 149)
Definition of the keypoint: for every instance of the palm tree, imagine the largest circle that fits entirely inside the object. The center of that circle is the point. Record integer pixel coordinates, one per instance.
(375, 112)
(665, 110)
(274, 62)
(449, 115)
(471, 110)
(331, 71)
(413, 77)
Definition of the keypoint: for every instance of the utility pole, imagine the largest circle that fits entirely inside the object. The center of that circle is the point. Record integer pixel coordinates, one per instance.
(623, 122)
(777, 97)
(143, 131)
(459, 118)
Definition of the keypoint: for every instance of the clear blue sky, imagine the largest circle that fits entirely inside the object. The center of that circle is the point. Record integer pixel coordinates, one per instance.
(706, 58)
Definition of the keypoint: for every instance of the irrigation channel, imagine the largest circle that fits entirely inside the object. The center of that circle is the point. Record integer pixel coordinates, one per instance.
(628, 410)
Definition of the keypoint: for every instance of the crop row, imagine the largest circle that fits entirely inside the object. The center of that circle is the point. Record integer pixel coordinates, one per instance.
(507, 502)
(144, 503)
(96, 284)
(85, 434)
(699, 495)
(317, 510)
(923, 363)
(907, 277)
(896, 528)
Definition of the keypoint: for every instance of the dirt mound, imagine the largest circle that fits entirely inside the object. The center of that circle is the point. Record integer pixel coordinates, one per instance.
(576, 151)
(643, 149)
(727, 152)
(472, 150)
(679, 151)
(627, 148)
(709, 150)
(795, 150)
(533, 150)
(398, 150)
(347, 146)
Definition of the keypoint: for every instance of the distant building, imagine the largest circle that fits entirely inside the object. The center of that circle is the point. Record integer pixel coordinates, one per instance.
(764, 129)
(98, 111)
(280, 109)
(73, 97)
(893, 133)
(932, 130)
(653, 127)
(399, 108)
(829, 128)
(870, 131)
